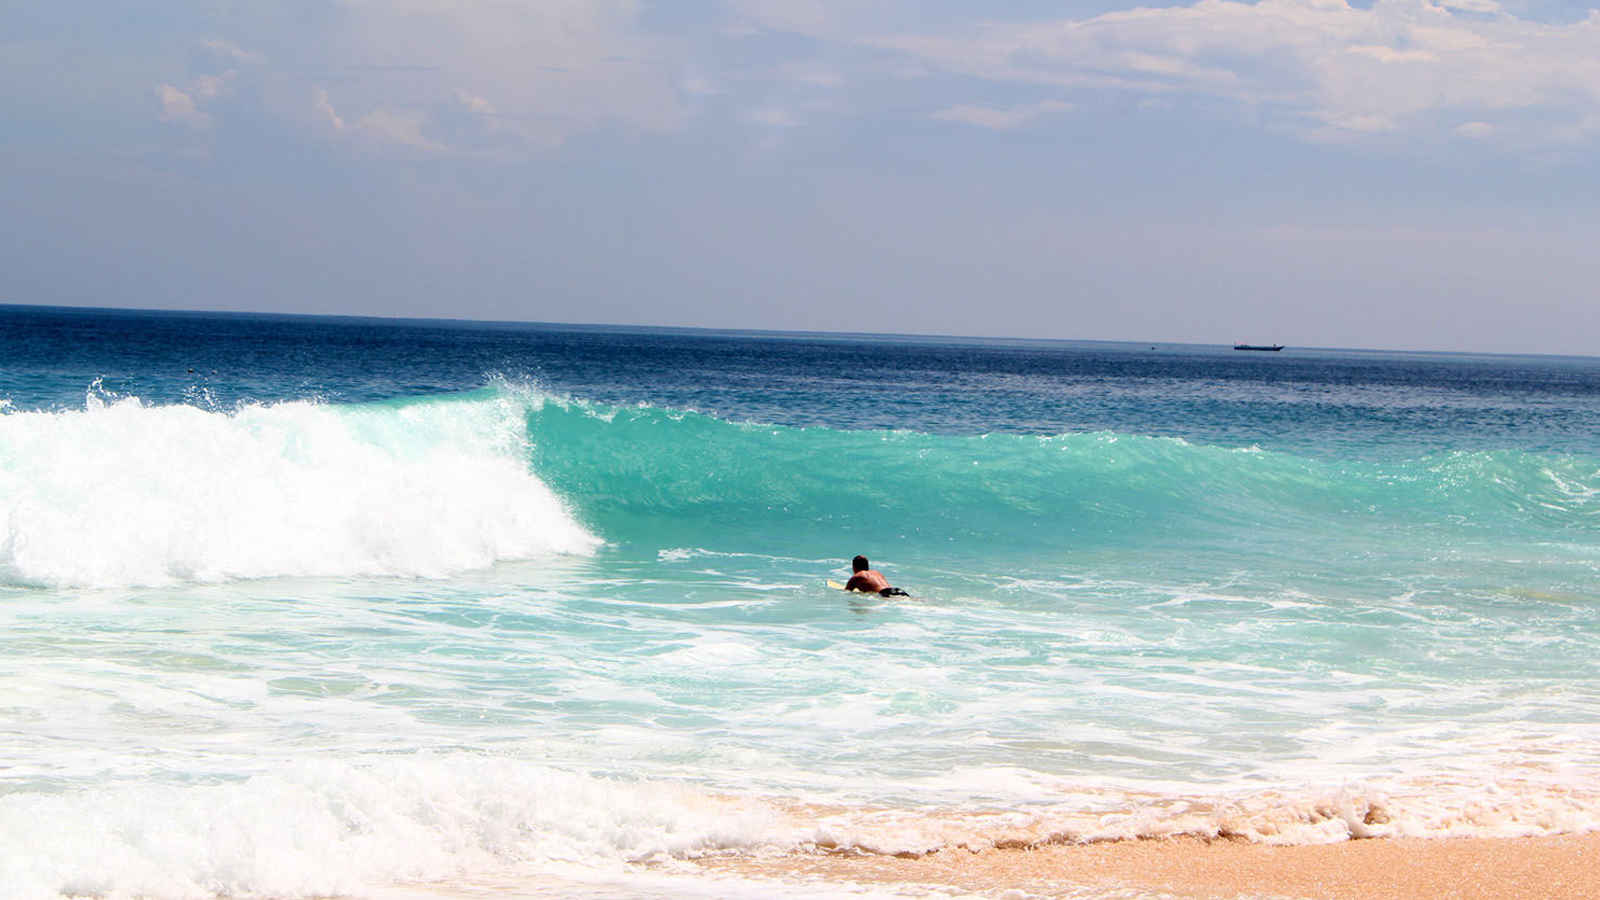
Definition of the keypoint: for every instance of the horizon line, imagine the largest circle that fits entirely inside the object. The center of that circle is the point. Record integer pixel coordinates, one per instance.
(757, 332)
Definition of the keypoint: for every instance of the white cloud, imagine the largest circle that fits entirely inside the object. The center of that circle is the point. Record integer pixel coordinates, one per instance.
(186, 105)
(402, 127)
(451, 76)
(772, 117)
(475, 104)
(814, 75)
(1321, 66)
(323, 107)
(555, 68)
(177, 106)
(1486, 7)
(232, 52)
(805, 16)
(506, 76)
(1476, 130)
(1391, 55)
(700, 86)
(210, 87)
(987, 117)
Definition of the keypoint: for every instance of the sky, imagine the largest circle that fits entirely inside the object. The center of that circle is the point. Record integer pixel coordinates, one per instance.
(1400, 174)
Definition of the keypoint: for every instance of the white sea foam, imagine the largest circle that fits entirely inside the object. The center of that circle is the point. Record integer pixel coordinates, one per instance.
(124, 493)
(329, 828)
(1423, 808)
(326, 828)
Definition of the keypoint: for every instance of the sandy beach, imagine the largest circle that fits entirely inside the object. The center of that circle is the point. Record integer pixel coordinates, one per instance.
(1556, 867)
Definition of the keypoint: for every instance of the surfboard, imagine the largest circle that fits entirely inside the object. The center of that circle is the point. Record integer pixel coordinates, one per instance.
(836, 585)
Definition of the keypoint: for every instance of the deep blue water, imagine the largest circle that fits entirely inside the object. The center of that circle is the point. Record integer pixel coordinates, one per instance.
(1307, 400)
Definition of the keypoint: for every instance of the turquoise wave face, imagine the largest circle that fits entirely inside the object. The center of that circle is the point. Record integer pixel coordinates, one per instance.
(645, 478)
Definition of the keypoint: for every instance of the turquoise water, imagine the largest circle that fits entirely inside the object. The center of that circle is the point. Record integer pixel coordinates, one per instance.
(296, 607)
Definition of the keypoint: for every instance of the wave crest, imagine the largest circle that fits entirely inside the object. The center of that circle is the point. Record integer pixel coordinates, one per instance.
(121, 493)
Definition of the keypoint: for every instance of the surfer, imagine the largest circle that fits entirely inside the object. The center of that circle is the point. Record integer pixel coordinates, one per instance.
(870, 580)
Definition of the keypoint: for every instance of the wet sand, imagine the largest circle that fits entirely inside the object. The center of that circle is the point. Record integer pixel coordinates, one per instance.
(1557, 868)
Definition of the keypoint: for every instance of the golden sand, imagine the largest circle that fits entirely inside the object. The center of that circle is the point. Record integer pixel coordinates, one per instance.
(1553, 868)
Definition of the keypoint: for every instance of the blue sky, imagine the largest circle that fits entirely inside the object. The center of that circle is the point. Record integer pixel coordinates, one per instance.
(1396, 174)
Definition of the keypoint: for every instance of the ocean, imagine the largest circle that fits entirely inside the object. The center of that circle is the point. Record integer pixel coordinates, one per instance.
(300, 607)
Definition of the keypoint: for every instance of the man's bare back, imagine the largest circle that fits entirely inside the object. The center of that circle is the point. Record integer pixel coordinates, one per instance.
(870, 580)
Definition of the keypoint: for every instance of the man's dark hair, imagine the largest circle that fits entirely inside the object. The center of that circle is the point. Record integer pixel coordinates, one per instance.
(859, 564)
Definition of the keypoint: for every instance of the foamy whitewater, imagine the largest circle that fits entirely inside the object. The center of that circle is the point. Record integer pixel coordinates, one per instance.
(305, 607)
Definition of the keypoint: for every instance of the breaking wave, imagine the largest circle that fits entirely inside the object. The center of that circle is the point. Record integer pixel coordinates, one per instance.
(125, 493)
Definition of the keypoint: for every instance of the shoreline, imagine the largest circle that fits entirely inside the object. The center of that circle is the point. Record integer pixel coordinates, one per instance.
(1555, 867)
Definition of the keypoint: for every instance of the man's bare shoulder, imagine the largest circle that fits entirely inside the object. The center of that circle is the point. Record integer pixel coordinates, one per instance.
(868, 580)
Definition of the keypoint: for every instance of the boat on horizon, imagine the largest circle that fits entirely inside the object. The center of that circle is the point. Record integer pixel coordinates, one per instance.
(1268, 347)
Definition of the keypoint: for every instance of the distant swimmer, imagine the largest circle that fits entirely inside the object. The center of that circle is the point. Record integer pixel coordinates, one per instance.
(870, 581)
